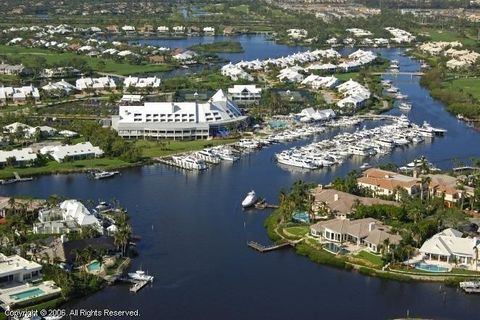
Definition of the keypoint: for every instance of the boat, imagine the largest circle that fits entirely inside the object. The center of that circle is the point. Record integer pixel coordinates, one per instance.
(189, 162)
(365, 166)
(102, 206)
(250, 199)
(104, 174)
(470, 286)
(140, 275)
(405, 106)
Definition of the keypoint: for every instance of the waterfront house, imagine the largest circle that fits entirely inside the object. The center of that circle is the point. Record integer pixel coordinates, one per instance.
(11, 69)
(449, 246)
(245, 94)
(310, 114)
(31, 206)
(83, 150)
(386, 183)
(178, 120)
(17, 269)
(17, 157)
(331, 202)
(355, 232)
(64, 250)
(68, 217)
(163, 29)
(60, 87)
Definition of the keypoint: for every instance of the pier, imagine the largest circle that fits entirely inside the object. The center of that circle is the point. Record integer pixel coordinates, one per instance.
(138, 286)
(416, 74)
(16, 179)
(266, 248)
(262, 204)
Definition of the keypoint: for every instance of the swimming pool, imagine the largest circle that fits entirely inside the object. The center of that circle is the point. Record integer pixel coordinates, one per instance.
(430, 267)
(94, 266)
(335, 248)
(28, 294)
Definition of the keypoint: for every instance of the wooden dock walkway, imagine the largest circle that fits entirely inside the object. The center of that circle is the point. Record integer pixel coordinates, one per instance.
(138, 286)
(266, 248)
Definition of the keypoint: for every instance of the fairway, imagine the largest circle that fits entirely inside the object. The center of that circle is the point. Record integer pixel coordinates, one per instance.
(468, 85)
(28, 55)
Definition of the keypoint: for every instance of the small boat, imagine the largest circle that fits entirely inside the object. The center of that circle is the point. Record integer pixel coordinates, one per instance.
(102, 206)
(250, 199)
(140, 275)
(470, 286)
(365, 166)
(104, 174)
(405, 106)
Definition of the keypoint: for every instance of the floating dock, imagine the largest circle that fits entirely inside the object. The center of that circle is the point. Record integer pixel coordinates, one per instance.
(138, 286)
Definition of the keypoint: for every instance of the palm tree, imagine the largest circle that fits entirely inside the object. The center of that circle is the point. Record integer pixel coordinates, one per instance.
(122, 237)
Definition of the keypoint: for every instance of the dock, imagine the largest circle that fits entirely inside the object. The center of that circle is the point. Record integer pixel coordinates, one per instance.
(138, 286)
(16, 179)
(262, 248)
(262, 204)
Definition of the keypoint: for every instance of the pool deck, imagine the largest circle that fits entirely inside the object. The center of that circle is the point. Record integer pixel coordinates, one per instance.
(48, 287)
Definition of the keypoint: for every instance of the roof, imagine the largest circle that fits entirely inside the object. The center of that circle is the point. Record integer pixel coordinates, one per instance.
(343, 202)
(359, 228)
(378, 237)
(14, 264)
(387, 179)
(66, 251)
(450, 242)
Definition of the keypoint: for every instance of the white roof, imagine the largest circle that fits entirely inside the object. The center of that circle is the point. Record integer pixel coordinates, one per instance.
(60, 152)
(25, 154)
(75, 210)
(14, 264)
(240, 88)
(449, 242)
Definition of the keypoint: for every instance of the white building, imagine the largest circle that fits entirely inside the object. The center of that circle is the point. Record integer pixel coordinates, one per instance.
(449, 246)
(355, 95)
(59, 86)
(178, 120)
(297, 33)
(209, 30)
(101, 83)
(17, 269)
(18, 94)
(138, 82)
(69, 216)
(77, 151)
(22, 157)
(310, 114)
(245, 93)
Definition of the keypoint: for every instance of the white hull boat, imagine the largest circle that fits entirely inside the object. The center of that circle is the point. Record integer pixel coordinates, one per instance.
(250, 199)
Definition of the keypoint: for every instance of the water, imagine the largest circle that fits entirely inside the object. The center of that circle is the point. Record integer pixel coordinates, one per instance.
(27, 294)
(194, 236)
(253, 46)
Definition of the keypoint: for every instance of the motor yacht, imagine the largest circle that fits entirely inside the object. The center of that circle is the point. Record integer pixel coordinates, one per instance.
(140, 275)
(189, 162)
(250, 199)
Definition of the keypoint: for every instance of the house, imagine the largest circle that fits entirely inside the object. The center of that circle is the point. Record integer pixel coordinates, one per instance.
(83, 150)
(68, 217)
(356, 232)
(156, 59)
(310, 114)
(163, 29)
(448, 188)
(101, 83)
(297, 33)
(449, 246)
(11, 69)
(17, 127)
(19, 94)
(29, 205)
(128, 28)
(245, 94)
(185, 56)
(64, 250)
(386, 183)
(59, 86)
(178, 29)
(17, 269)
(18, 157)
(209, 30)
(139, 82)
(131, 98)
(68, 134)
(331, 202)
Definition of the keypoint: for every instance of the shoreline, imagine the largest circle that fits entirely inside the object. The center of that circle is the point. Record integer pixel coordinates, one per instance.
(351, 263)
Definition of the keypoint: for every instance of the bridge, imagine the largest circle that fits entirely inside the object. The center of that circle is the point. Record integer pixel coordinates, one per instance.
(390, 73)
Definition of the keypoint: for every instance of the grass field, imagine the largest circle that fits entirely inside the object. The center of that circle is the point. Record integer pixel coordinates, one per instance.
(373, 259)
(164, 148)
(347, 76)
(444, 35)
(299, 231)
(111, 66)
(468, 85)
(55, 167)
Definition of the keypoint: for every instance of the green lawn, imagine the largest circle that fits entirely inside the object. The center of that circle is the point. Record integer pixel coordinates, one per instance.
(447, 35)
(168, 147)
(55, 167)
(28, 54)
(299, 231)
(468, 85)
(374, 259)
(347, 76)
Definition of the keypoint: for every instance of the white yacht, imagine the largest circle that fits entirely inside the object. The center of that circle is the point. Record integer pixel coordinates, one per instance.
(296, 161)
(250, 199)
(470, 286)
(189, 162)
(104, 174)
(405, 106)
(208, 156)
(140, 275)
(365, 166)
(248, 144)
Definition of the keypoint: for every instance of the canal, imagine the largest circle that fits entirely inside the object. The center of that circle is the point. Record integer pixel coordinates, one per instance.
(194, 236)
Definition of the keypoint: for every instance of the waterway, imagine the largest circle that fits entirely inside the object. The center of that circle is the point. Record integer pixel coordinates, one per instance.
(194, 236)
